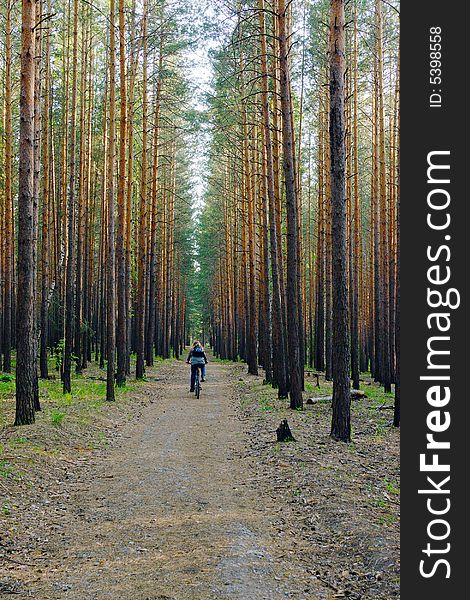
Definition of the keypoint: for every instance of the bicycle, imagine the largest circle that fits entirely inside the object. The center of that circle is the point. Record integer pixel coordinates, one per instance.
(197, 383)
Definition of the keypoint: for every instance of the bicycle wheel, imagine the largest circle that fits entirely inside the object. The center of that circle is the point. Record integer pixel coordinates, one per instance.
(197, 386)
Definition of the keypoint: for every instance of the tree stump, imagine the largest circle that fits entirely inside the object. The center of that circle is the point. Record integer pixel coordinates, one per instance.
(284, 433)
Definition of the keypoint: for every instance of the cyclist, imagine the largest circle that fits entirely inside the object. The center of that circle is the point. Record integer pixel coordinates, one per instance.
(198, 360)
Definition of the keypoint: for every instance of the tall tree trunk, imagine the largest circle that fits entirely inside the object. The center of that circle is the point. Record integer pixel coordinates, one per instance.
(79, 287)
(140, 369)
(45, 217)
(356, 226)
(8, 213)
(384, 242)
(293, 312)
(121, 340)
(69, 291)
(110, 258)
(396, 412)
(130, 188)
(278, 341)
(25, 363)
(341, 418)
(153, 234)
(319, 332)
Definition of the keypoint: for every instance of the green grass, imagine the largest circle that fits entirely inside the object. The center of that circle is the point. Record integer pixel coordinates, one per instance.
(57, 417)
(244, 402)
(379, 503)
(376, 396)
(265, 396)
(6, 509)
(265, 403)
(17, 442)
(85, 390)
(5, 469)
(387, 519)
(7, 385)
(391, 487)
(323, 390)
(224, 361)
(101, 441)
(87, 396)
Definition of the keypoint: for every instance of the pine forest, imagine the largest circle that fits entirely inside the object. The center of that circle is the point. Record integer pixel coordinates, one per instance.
(224, 171)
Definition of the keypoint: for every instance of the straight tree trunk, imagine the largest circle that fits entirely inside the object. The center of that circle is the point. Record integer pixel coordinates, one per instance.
(356, 227)
(44, 372)
(79, 287)
(396, 412)
(9, 223)
(121, 339)
(278, 341)
(384, 242)
(69, 290)
(328, 264)
(341, 418)
(111, 258)
(25, 375)
(153, 234)
(140, 316)
(293, 312)
(319, 332)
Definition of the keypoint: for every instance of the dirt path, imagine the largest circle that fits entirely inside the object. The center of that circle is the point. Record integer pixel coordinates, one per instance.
(168, 512)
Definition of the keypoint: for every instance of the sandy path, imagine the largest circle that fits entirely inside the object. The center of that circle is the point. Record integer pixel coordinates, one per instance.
(167, 514)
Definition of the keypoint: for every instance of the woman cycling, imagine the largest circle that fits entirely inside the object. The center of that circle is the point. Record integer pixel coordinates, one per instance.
(198, 360)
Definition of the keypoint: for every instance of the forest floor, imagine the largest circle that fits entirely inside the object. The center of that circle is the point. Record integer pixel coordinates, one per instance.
(163, 496)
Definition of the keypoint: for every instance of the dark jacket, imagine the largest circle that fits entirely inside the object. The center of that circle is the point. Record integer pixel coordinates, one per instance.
(197, 356)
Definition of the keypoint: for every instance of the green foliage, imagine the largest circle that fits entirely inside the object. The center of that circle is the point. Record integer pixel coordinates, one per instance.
(57, 351)
(6, 509)
(5, 468)
(87, 329)
(57, 417)
(265, 404)
(7, 387)
(391, 487)
(18, 441)
(323, 390)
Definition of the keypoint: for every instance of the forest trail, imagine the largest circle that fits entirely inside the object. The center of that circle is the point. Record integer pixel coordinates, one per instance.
(168, 513)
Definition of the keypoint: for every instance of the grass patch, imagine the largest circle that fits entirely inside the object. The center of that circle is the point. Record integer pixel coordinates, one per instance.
(265, 403)
(323, 390)
(379, 503)
(6, 509)
(17, 442)
(391, 487)
(7, 386)
(5, 469)
(376, 397)
(88, 395)
(387, 519)
(57, 417)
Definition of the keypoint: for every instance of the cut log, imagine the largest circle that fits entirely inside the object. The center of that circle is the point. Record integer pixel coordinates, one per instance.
(319, 399)
(284, 433)
(356, 394)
